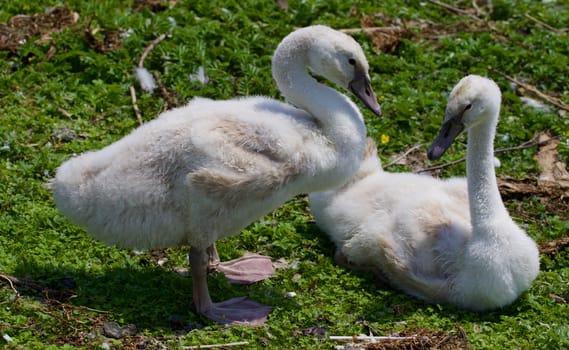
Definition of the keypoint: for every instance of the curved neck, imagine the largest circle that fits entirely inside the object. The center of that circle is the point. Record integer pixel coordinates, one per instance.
(485, 201)
(338, 117)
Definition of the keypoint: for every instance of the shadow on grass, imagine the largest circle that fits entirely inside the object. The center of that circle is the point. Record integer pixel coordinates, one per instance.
(388, 305)
(149, 297)
(157, 299)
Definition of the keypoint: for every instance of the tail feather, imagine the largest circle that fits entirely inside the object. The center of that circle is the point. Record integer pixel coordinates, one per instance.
(71, 184)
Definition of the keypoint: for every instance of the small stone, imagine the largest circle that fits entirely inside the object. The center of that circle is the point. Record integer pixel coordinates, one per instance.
(64, 135)
(114, 330)
(290, 294)
(182, 271)
(296, 277)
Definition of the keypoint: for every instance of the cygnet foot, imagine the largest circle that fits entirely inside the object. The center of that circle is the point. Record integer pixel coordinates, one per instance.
(240, 310)
(246, 270)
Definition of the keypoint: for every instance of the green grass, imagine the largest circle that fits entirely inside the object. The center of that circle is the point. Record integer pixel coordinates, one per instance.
(67, 84)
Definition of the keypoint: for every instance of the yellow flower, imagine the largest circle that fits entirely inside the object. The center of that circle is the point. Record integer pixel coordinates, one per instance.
(384, 139)
(26, 7)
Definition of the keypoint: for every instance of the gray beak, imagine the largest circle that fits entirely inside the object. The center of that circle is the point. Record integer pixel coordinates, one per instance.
(361, 87)
(449, 131)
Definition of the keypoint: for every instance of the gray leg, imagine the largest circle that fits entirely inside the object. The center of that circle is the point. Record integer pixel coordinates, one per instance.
(232, 311)
(213, 257)
(198, 264)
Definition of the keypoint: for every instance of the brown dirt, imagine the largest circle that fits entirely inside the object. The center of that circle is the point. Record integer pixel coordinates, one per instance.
(21, 28)
(419, 339)
(555, 246)
(386, 32)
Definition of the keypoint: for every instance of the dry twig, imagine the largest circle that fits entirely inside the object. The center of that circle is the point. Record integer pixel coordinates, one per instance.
(134, 105)
(553, 100)
(410, 150)
(441, 166)
(145, 54)
(454, 9)
(15, 281)
(528, 144)
(369, 338)
(64, 112)
(151, 47)
(162, 90)
(366, 30)
(77, 307)
(239, 343)
(476, 7)
(169, 100)
(545, 25)
(11, 283)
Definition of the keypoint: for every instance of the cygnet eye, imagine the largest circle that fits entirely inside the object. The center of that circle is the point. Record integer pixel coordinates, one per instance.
(469, 106)
(352, 61)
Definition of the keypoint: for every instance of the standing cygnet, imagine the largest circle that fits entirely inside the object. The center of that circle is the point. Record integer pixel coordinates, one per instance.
(207, 170)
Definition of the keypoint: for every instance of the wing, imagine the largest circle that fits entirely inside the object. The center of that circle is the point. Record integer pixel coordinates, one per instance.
(252, 160)
(233, 187)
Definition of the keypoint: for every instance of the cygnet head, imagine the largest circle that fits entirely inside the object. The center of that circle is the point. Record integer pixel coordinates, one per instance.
(337, 57)
(475, 100)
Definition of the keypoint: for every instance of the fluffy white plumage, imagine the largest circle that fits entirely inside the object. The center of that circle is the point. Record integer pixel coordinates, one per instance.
(205, 171)
(444, 241)
(145, 79)
(200, 76)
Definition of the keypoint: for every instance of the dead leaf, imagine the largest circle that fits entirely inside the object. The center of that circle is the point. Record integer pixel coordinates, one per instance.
(21, 28)
(386, 32)
(554, 170)
(554, 246)
(385, 38)
(557, 298)
(283, 4)
(512, 188)
(316, 331)
(103, 40)
(419, 339)
(552, 185)
(555, 199)
(399, 309)
(153, 5)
